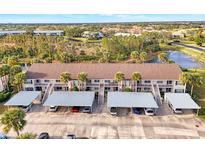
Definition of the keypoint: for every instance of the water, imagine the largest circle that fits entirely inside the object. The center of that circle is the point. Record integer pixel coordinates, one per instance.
(183, 60)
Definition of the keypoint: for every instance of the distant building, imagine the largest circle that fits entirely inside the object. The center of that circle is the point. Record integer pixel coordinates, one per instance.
(126, 34)
(49, 32)
(89, 34)
(12, 32)
(178, 34)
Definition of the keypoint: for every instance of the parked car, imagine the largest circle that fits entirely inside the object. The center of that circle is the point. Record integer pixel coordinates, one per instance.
(113, 111)
(74, 109)
(149, 111)
(136, 110)
(82, 138)
(3, 136)
(53, 108)
(86, 109)
(44, 135)
(25, 108)
(177, 111)
(71, 136)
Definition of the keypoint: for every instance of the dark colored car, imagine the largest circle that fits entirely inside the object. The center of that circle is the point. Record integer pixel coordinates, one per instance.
(136, 110)
(2, 136)
(44, 135)
(71, 136)
(82, 138)
(74, 109)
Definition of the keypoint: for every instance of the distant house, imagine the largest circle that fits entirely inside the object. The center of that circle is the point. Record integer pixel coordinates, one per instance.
(126, 34)
(49, 32)
(12, 32)
(3, 83)
(178, 34)
(89, 34)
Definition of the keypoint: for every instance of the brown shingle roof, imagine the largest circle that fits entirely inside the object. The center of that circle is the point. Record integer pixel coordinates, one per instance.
(105, 71)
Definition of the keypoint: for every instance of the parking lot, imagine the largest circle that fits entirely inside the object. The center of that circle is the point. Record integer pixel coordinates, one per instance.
(103, 125)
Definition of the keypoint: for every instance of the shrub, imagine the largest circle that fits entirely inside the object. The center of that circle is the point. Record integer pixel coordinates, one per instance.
(4, 96)
(27, 136)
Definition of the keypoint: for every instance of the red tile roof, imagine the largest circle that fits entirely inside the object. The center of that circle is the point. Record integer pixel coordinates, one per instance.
(105, 70)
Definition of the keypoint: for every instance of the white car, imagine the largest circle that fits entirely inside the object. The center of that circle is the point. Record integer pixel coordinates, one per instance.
(87, 110)
(149, 111)
(177, 111)
(53, 108)
(25, 108)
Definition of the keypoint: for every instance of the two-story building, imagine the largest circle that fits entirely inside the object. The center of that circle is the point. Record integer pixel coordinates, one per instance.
(100, 76)
(49, 32)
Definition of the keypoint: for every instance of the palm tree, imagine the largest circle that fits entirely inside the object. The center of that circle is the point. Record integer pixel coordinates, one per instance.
(143, 56)
(136, 76)
(13, 118)
(163, 57)
(65, 77)
(194, 80)
(18, 80)
(119, 77)
(82, 78)
(185, 79)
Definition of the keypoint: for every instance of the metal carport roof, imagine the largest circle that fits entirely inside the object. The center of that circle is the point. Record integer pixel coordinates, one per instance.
(23, 98)
(131, 99)
(181, 101)
(70, 98)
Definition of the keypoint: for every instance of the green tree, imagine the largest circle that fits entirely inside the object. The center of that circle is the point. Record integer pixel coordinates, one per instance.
(163, 57)
(119, 77)
(136, 76)
(15, 69)
(134, 55)
(143, 57)
(194, 80)
(65, 77)
(13, 119)
(4, 70)
(27, 136)
(18, 80)
(12, 61)
(82, 78)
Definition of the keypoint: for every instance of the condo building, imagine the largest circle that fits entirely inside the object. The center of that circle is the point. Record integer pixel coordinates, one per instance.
(100, 77)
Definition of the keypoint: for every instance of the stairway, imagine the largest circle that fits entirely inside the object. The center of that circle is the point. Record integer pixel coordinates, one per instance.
(49, 90)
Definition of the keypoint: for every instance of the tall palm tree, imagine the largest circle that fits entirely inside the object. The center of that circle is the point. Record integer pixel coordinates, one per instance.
(119, 77)
(13, 118)
(185, 79)
(82, 78)
(194, 80)
(65, 77)
(136, 76)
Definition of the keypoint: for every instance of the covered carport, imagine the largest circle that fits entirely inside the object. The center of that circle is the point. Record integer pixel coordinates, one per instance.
(131, 100)
(181, 101)
(71, 99)
(24, 98)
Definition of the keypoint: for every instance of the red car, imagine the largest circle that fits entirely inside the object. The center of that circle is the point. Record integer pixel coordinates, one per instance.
(74, 109)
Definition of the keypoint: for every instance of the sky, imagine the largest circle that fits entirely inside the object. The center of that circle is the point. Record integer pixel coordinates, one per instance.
(96, 18)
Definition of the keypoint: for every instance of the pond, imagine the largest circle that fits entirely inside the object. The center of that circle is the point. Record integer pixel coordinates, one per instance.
(183, 60)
